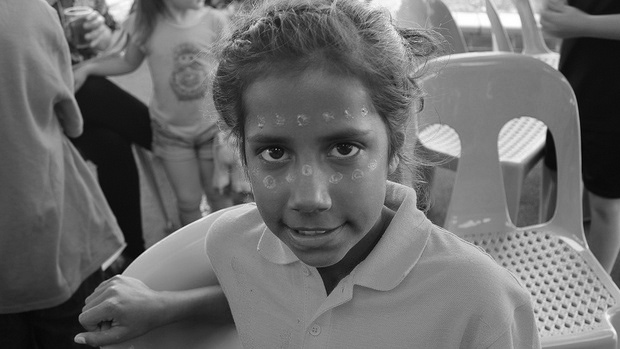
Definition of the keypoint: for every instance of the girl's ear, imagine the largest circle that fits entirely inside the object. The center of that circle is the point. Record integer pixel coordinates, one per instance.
(393, 165)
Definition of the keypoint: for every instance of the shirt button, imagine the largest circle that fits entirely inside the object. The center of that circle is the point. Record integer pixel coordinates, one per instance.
(305, 270)
(315, 330)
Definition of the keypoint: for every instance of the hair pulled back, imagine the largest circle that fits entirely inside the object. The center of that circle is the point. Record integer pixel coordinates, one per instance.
(341, 36)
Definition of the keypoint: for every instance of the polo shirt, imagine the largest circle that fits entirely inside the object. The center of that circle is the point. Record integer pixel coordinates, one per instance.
(420, 287)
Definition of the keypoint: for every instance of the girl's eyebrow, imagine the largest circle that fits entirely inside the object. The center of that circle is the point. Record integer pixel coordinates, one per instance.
(335, 136)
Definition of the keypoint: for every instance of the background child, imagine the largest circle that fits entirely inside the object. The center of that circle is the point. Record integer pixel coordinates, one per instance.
(589, 59)
(332, 254)
(176, 38)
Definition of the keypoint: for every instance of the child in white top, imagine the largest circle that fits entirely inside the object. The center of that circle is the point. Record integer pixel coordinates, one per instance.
(176, 38)
(332, 254)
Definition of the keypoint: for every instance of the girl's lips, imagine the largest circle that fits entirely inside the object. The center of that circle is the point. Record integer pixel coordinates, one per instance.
(314, 235)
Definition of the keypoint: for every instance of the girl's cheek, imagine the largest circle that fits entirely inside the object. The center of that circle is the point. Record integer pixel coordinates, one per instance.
(266, 180)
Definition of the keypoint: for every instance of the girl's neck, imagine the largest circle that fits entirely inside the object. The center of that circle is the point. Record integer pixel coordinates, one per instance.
(332, 275)
(184, 16)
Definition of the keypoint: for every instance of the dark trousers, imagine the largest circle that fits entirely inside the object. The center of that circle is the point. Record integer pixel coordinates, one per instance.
(52, 328)
(113, 121)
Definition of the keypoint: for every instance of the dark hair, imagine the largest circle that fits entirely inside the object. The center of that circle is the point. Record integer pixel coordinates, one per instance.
(344, 36)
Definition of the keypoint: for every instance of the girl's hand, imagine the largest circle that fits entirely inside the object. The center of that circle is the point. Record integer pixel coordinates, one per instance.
(121, 308)
(562, 21)
(80, 74)
(98, 34)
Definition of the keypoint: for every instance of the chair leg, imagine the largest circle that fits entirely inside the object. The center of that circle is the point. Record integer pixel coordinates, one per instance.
(548, 194)
(513, 184)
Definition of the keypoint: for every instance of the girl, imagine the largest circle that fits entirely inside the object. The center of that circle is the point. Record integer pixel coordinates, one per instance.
(332, 254)
(176, 37)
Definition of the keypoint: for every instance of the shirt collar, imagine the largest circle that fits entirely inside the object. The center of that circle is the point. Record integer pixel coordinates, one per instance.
(394, 255)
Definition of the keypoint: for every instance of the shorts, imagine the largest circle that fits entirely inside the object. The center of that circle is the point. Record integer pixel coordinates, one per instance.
(600, 162)
(172, 146)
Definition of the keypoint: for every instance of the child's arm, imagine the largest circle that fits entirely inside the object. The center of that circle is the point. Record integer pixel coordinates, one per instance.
(117, 63)
(123, 308)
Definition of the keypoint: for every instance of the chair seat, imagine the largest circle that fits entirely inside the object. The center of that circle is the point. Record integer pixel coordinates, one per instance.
(568, 297)
(519, 141)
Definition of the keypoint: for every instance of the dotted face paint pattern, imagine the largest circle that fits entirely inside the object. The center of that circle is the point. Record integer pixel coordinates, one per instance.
(373, 165)
(261, 121)
(302, 120)
(280, 120)
(335, 178)
(306, 170)
(269, 182)
(290, 178)
(357, 175)
(328, 117)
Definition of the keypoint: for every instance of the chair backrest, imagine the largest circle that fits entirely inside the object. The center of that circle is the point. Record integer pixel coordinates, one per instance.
(179, 262)
(533, 41)
(501, 40)
(476, 94)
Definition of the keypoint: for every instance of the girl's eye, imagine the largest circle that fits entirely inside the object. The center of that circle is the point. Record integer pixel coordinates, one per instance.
(344, 150)
(274, 154)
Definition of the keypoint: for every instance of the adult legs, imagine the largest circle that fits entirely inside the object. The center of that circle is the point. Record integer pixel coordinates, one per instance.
(113, 121)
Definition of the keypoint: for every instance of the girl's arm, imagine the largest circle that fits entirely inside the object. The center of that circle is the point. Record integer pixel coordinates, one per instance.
(122, 308)
(117, 63)
(564, 21)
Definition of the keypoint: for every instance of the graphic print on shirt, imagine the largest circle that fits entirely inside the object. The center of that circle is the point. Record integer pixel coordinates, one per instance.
(189, 75)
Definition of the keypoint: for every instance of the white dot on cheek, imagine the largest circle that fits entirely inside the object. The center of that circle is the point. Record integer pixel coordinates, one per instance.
(364, 111)
(357, 175)
(335, 178)
(373, 165)
(291, 178)
(269, 182)
(306, 170)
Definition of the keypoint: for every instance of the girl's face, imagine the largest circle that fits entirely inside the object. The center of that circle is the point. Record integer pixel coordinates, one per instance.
(317, 155)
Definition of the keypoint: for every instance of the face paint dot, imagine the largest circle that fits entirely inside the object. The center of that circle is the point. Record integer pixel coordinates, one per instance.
(364, 111)
(327, 116)
(291, 178)
(269, 182)
(347, 114)
(280, 120)
(357, 174)
(302, 120)
(335, 178)
(373, 165)
(261, 121)
(306, 170)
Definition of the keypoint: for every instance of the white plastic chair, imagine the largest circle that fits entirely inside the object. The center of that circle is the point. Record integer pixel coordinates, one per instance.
(533, 42)
(521, 142)
(179, 262)
(575, 300)
(501, 40)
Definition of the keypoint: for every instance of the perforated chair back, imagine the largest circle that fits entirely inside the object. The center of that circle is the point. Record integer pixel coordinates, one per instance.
(476, 94)
(179, 262)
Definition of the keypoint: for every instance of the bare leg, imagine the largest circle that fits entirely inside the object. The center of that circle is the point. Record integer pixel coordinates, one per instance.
(184, 176)
(216, 199)
(604, 237)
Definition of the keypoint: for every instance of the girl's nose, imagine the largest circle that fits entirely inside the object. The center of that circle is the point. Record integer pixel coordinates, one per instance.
(310, 193)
